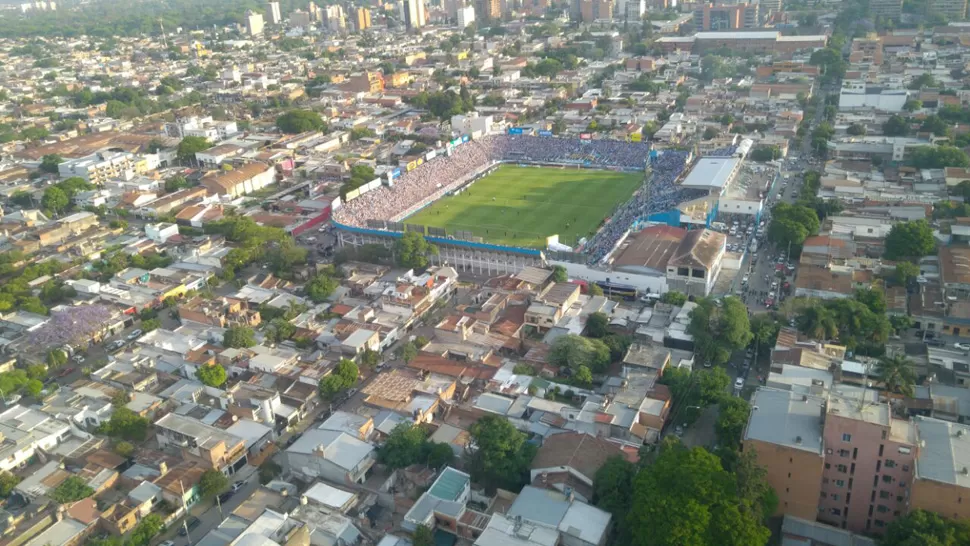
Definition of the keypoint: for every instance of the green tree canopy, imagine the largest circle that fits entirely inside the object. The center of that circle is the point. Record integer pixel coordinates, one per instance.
(719, 330)
(896, 125)
(687, 498)
(674, 297)
(559, 274)
(343, 377)
(909, 241)
(412, 250)
(922, 528)
(905, 272)
(7, 482)
(239, 337)
(572, 351)
(190, 145)
(300, 121)
(731, 421)
(597, 325)
(126, 424)
(613, 491)
(49, 163)
(212, 483)
(897, 374)
(320, 287)
(500, 454)
(213, 375)
(792, 224)
(55, 200)
(938, 157)
(72, 489)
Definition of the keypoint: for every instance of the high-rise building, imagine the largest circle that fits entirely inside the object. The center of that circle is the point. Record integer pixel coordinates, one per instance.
(840, 458)
(299, 18)
(711, 17)
(412, 13)
(365, 82)
(593, 10)
(334, 19)
(535, 7)
(316, 15)
(273, 13)
(487, 10)
(953, 10)
(254, 23)
(465, 16)
(631, 11)
(362, 18)
(769, 7)
(890, 9)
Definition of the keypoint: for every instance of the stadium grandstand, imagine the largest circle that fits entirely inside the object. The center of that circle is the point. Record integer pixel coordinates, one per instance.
(380, 209)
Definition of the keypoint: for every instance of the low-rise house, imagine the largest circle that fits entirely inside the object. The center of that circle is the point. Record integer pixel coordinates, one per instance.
(332, 455)
(207, 445)
(239, 181)
(568, 463)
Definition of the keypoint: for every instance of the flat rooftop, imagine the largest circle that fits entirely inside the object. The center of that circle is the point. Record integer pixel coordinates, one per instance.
(712, 172)
(944, 454)
(787, 419)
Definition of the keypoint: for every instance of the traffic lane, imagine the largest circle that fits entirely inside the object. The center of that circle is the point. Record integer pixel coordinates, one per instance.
(211, 518)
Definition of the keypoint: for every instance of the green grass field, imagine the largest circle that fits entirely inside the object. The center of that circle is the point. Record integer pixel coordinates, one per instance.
(521, 206)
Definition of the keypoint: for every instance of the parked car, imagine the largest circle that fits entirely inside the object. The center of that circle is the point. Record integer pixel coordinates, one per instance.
(936, 343)
(191, 523)
(962, 346)
(134, 334)
(739, 383)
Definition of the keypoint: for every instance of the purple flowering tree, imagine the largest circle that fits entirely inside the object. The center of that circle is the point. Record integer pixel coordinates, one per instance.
(74, 326)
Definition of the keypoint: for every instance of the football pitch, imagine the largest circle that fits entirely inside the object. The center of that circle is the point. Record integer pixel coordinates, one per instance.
(521, 206)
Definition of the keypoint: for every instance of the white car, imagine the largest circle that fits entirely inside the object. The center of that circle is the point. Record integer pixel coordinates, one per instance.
(962, 346)
(739, 383)
(134, 334)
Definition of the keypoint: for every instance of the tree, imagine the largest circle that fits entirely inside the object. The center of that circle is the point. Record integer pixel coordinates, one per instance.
(765, 329)
(731, 421)
(922, 528)
(710, 133)
(300, 121)
(909, 241)
(7, 482)
(559, 274)
(674, 297)
(49, 163)
(923, 80)
(499, 454)
(55, 200)
(935, 125)
(239, 337)
(938, 157)
(126, 424)
(583, 376)
(719, 330)
(269, 471)
(792, 224)
(423, 536)
(125, 449)
(708, 507)
(56, 358)
(817, 322)
(856, 129)
(320, 287)
(213, 375)
(370, 358)
(613, 489)
(412, 250)
(342, 377)
(176, 183)
(408, 352)
(212, 483)
(572, 351)
(912, 105)
(713, 386)
(191, 145)
(148, 528)
(595, 290)
(896, 125)
(151, 324)
(897, 374)
(403, 446)
(597, 325)
(70, 490)
(765, 153)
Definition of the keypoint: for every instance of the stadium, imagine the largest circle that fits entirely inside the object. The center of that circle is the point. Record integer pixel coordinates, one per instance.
(498, 203)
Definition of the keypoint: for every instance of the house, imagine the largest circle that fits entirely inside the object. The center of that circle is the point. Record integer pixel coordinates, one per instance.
(242, 180)
(443, 504)
(209, 446)
(568, 463)
(696, 263)
(332, 455)
(25, 432)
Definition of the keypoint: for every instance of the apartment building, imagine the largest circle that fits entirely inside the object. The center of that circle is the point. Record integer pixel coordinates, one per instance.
(273, 13)
(942, 468)
(24, 432)
(715, 17)
(202, 443)
(951, 9)
(362, 18)
(365, 82)
(841, 459)
(890, 9)
(254, 23)
(100, 167)
(242, 180)
(412, 13)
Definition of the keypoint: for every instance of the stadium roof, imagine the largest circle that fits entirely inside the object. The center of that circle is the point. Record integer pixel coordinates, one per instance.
(653, 247)
(740, 35)
(712, 172)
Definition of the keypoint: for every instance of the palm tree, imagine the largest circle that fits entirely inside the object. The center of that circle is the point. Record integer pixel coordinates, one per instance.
(817, 322)
(898, 374)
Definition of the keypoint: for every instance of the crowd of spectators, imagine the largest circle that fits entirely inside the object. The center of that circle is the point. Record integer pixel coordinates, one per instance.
(660, 195)
(434, 179)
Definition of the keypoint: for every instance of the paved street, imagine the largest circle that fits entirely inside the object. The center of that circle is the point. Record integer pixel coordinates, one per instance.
(210, 515)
